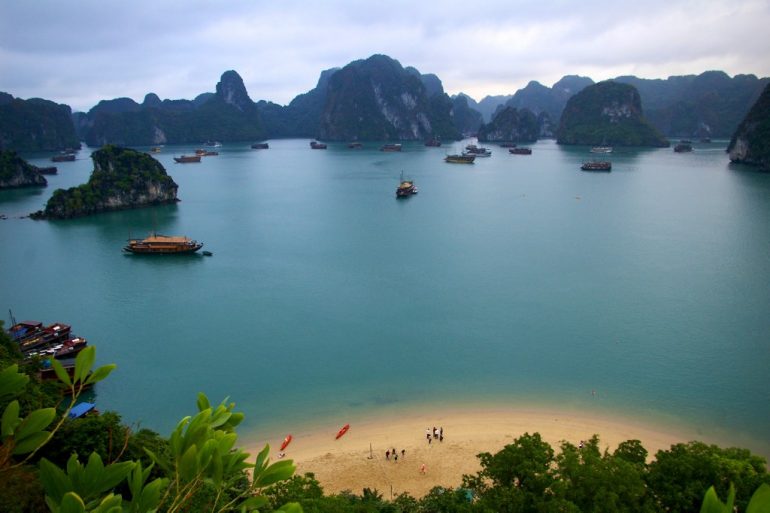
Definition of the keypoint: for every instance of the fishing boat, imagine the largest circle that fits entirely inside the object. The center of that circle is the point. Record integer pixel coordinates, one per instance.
(520, 151)
(187, 159)
(601, 149)
(157, 244)
(597, 165)
(460, 159)
(286, 442)
(342, 431)
(390, 147)
(315, 145)
(260, 146)
(355, 145)
(405, 188)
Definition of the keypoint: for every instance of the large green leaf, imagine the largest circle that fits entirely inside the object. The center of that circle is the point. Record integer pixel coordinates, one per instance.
(83, 363)
(35, 422)
(276, 472)
(114, 474)
(10, 419)
(291, 507)
(760, 501)
(72, 503)
(253, 503)
(60, 372)
(203, 402)
(100, 373)
(188, 464)
(12, 382)
(55, 481)
(31, 442)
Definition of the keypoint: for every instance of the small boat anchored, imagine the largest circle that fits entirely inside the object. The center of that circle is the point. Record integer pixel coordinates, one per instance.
(520, 151)
(460, 159)
(260, 146)
(187, 159)
(597, 165)
(405, 188)
(315, 145)
(390, 147)
(157, 244)
(601, 149)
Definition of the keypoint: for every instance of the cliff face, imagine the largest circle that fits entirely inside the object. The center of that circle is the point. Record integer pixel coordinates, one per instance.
(35, 124)
(17, 172)
(607, 113)
(377, 99)
(750, 143)
(122, 178)
(510, 124)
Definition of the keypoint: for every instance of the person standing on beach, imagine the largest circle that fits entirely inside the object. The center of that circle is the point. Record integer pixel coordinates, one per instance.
(403, 453)
(441, 434)
(435, 432)
(387, 455)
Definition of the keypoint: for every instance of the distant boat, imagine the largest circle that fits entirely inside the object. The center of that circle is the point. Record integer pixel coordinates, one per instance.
(507, 145)
(597, 165)
(317, 146)
(342, 431)
(433, 142)
(460, 159)
(155, 149)
(187, 159)
(214, 144)
(520, 151)
(206, 153)
(63, 157)
(157, 244)
(405, 188)
(355, 145)
(390, 147)
(50, 170)
(479, 151)
(260, 146)
(683, 147)
(601, 149)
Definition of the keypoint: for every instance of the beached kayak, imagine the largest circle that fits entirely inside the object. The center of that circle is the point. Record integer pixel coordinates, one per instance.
(286, 442)
(342, 431)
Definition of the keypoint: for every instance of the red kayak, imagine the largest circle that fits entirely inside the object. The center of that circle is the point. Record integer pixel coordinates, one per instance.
(342, 431)
(286, 442)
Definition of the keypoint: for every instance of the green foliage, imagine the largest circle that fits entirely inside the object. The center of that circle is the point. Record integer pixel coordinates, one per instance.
(510, 124)
(35, 124)
(755, 130)
(17, 172)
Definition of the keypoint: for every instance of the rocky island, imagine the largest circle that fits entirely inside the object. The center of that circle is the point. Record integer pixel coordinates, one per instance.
(122, 178)
(511, 124)
(607, 114)
(35, 124)
(17, 172)
(751, 142)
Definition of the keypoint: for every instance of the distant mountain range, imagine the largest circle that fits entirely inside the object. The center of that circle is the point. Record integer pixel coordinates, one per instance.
(370, 99)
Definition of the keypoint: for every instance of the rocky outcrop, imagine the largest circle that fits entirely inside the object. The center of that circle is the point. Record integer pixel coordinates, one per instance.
(35, 124)
(607, 113)
(510, 124)
(750, 143)
(17, 172)
(122, 178)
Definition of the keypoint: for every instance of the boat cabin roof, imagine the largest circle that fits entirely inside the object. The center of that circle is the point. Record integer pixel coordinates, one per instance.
(81, 409)
(166, 238)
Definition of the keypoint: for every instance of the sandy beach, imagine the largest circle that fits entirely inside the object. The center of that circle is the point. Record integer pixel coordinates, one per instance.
(348, 463)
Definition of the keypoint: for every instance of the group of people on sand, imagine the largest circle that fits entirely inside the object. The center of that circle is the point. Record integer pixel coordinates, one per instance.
(394, 454)
(434, 434)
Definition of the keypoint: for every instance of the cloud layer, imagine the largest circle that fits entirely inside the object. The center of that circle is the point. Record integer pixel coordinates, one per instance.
(91, 50)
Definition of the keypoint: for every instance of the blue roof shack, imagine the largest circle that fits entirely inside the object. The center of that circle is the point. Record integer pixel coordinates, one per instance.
(81, 409)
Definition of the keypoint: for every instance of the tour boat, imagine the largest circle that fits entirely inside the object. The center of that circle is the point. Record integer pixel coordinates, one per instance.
(433, 142)
(520, 151)
(157, 244)
(405, 188)
(317, 146)
(390, 147)
(601, 149)
(260, 146)
(355, 145)
(63, 157)
(460, 159)
(187, 159)
(597, 165)
(683, 147)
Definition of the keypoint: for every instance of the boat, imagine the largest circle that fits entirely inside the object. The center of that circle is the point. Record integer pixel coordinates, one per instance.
(683, 147)
(157, 244)
(286, 442)
(49, 336)
(520, 151)
(155, 149)
(507, 145)
(187, 159)
(206, 153)
(460, 159)
(433, 142)
(355, 145)
(342, 431)
(49, 170)
(597, 165)
(68, 349)
(208, 253)
(63, 157)
(260, 146)
(479, 151)
(24, 329)
(213, 144)
(405, 188)
(317, 146)
(390, 147)
(601, 149)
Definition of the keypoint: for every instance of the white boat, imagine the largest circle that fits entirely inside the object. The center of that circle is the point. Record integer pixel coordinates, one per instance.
(601, 149)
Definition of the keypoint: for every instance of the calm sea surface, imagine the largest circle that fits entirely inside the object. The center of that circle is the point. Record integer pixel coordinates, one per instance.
(516, 280)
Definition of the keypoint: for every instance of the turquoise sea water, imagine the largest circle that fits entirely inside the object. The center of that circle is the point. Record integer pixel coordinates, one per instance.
(517, 280)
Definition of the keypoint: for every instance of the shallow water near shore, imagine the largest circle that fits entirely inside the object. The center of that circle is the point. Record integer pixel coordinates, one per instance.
(517, 280)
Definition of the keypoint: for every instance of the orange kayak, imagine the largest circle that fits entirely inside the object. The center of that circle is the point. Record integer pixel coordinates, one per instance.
(342, 431)
(286, 442)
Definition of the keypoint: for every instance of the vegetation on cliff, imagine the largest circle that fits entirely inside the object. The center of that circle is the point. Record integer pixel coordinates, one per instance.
(122, 178)
(750, 144)
(607, 113)
(17, 172)
(510, 124)
(35, 124)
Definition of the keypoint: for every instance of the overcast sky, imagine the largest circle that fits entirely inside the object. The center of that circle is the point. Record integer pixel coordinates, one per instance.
(79, 52)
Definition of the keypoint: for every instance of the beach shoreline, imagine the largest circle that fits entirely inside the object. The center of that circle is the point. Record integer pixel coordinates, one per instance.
(357, 460)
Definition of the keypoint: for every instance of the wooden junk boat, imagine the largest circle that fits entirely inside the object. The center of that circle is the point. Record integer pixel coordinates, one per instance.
(315, 145)
(157, 244)
(187, 159)
(405, 188)
(390, 147)
(520, 151)
(460, 159)
(260, 146)
(597, 165)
